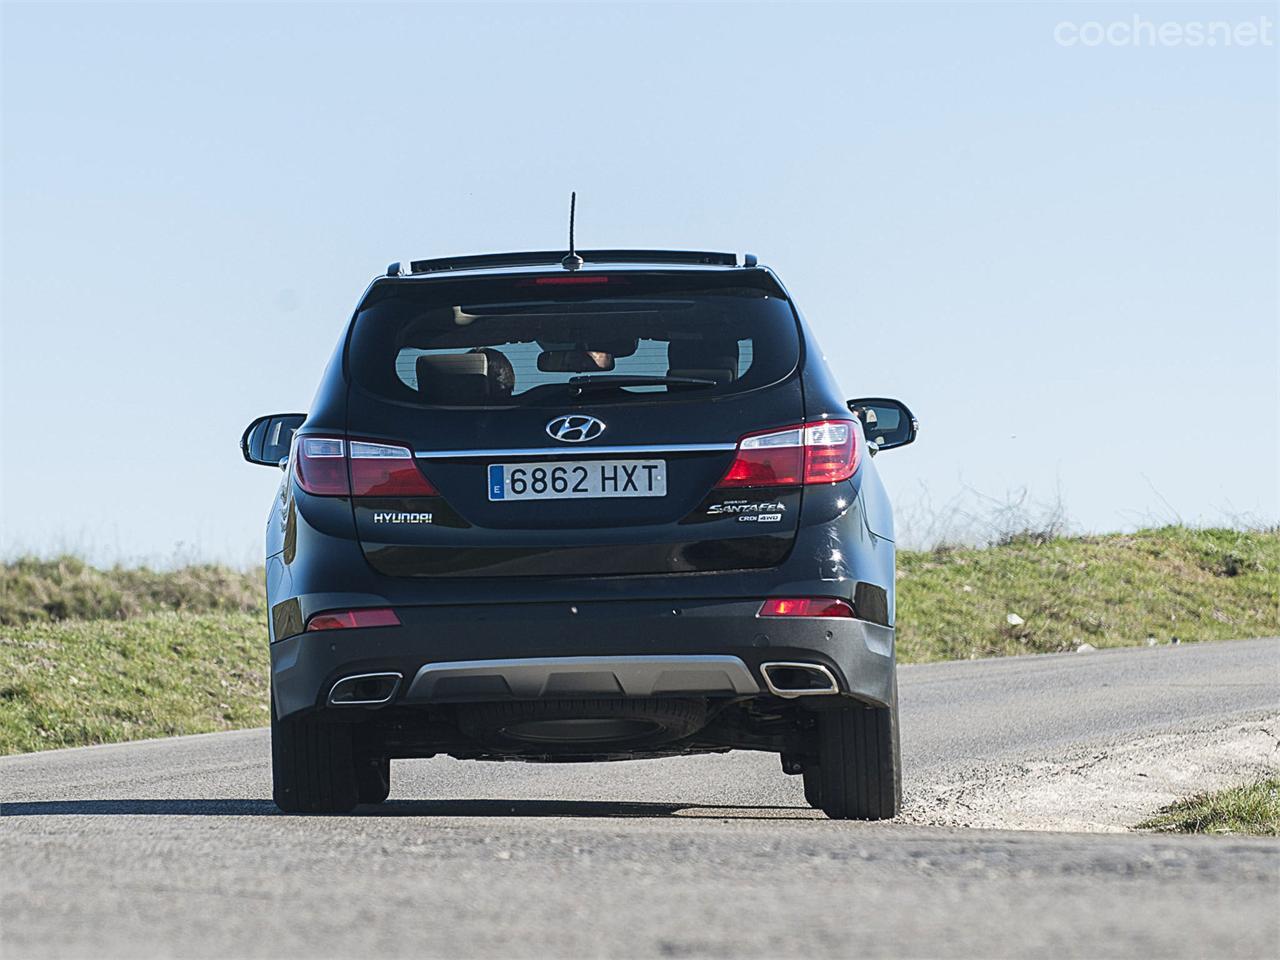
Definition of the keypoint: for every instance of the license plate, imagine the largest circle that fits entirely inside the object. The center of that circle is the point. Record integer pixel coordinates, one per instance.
(587, 479)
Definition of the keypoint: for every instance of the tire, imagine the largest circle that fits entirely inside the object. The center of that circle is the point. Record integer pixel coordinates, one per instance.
(373, 779)
(813, 787)
(312, 765)
(859, 769)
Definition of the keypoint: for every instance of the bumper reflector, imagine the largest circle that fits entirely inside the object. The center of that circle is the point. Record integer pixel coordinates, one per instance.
(805, 607)
(348, 619)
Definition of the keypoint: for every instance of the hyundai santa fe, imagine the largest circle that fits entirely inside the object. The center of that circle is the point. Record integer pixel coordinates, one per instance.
(604, 507)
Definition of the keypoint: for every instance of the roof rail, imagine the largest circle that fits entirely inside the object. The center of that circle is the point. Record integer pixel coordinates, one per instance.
(553, 258)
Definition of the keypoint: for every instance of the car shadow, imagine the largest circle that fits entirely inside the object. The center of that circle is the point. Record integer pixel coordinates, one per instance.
(591, 809)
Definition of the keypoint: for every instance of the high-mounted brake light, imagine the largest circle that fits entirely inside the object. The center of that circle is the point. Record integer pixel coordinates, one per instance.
(332, 467)
(351, 619)
(590, 279)
(823, 451)
(805, 607)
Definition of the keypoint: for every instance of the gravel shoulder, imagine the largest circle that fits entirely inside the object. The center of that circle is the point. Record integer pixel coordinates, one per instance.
(1103, 788)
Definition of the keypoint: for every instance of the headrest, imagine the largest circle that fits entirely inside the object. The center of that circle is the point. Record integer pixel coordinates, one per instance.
(718, 356)
(453, 377)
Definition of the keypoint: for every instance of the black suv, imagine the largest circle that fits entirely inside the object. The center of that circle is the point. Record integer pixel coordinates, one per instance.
(603, 507)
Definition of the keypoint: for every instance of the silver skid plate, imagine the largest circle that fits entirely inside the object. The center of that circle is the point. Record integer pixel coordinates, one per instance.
(639, 676)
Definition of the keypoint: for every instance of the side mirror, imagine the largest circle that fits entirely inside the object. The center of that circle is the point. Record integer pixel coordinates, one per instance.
(887, 423)
(267, 439)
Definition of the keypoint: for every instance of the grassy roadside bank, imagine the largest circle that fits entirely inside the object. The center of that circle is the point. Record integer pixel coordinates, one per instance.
(97, 656)
(1253, 810)
(1114, 590)
(76, 682)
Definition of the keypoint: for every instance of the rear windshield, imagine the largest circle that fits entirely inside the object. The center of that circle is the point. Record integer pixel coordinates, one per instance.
(619, 338)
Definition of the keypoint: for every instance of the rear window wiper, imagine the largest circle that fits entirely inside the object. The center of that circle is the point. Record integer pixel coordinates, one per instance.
(591, 382)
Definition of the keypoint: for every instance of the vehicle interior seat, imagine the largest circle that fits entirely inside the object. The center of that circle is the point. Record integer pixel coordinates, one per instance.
(453, 377)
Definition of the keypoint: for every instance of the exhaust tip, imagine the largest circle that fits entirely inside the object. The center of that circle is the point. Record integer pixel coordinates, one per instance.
(365, 690)
(799, 679)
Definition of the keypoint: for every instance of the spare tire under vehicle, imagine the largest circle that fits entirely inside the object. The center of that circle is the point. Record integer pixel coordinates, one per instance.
(575, 726)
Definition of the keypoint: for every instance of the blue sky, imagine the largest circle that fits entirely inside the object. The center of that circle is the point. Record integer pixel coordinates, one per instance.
(1062, 257)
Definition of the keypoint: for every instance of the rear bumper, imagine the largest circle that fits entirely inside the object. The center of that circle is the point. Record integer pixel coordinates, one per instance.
(606, 648)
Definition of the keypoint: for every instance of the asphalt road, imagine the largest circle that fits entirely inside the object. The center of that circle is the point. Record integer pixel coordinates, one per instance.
(170, 848)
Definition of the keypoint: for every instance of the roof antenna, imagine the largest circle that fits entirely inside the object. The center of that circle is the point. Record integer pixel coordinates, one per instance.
(572, 261)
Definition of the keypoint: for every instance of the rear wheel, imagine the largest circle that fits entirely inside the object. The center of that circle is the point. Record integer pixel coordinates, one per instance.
(313, 766)
(813, 787)
(373, 776)
(859, 773)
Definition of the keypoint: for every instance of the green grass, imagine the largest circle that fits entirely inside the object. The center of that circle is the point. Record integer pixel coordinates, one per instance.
(1107, 591)
(99, 681)
(97, 656)
(67, 588)
(1253, 809)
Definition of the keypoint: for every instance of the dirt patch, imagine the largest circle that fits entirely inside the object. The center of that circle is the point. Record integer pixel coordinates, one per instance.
(1102, 789)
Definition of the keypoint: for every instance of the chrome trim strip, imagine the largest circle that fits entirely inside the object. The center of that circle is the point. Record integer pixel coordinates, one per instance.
(633, 676)
(789, 694)
(365, 676)
(576, 451)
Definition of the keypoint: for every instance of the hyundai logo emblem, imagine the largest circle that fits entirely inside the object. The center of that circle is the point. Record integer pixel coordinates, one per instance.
(575, 428)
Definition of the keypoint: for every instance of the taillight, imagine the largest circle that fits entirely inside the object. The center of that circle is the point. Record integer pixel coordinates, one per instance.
(805, 607)
(386, 470)
(772, 459)
(321, 466)
(332, 467)
(823, 451)
(830, 451)
(350, 619)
